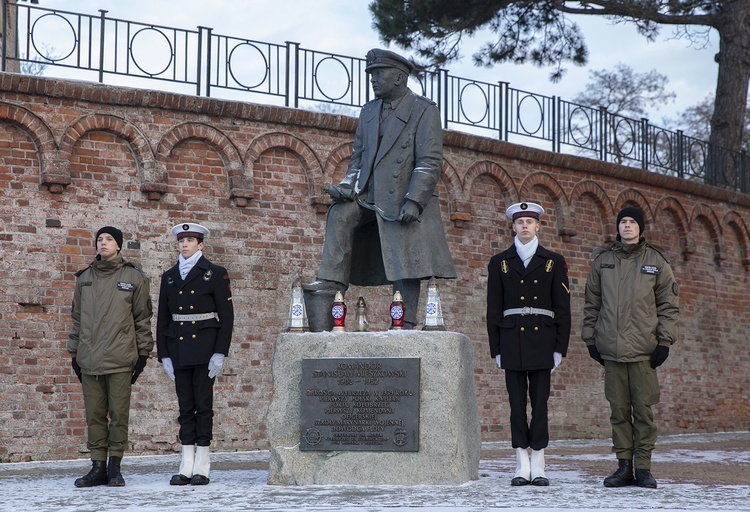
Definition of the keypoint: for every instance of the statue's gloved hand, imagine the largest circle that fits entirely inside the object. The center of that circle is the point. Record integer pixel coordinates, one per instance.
(409, 212)
(338, 194)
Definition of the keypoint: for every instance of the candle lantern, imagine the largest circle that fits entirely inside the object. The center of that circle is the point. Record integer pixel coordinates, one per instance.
(297, 321)
(338, 312)
(433, 312)
(397, 311)
(360, 319)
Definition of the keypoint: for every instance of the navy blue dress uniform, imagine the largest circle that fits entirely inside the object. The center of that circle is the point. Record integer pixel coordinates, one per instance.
(194, 324)
(528, 321)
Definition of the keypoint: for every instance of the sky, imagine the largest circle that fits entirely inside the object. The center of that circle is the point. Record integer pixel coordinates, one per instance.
(345, 27)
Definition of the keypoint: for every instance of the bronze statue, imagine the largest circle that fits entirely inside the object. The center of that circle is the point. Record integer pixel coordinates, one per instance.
(385, 225)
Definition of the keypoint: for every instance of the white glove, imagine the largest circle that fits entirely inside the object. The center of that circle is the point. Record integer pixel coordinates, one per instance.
(556, 359)
(497, 360)
(168, 367)
(214, 365)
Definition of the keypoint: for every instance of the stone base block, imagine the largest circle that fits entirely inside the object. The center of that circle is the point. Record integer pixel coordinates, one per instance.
(449, 437)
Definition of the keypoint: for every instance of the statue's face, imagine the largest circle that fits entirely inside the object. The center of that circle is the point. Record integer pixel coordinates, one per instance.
(385, 82)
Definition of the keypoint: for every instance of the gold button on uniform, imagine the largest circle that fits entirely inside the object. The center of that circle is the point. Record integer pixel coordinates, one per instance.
(181, 338)
(523, 329)
(522, 297)
(194, 336)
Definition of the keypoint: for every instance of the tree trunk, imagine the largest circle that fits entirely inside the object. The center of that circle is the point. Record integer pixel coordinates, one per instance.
(727, 122)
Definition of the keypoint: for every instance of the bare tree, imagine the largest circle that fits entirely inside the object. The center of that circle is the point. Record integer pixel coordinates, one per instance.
(37, 64)
(619, 97)
(624, 92)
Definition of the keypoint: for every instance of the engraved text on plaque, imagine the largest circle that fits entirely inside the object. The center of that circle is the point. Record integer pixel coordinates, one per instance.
(362, 404)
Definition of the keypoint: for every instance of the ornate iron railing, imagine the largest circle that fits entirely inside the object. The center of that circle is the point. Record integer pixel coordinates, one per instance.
(201, 62)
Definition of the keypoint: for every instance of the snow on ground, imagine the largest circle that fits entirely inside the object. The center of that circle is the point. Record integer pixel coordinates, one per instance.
(238, 483)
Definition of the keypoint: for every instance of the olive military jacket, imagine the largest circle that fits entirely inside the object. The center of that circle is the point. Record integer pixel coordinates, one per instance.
(111, 317)
(631, 302)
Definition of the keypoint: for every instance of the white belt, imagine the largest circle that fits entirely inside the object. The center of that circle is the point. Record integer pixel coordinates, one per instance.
(529, 311)
(194, 318)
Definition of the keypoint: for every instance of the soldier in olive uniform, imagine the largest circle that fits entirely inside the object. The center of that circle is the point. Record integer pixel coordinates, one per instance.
(193, 333)
(528, 324)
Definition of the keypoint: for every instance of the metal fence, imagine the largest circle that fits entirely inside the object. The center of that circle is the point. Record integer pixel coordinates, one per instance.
(204, 63)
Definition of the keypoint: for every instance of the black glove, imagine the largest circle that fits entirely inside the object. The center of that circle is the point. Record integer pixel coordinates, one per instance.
(139, 366)
(76, 368)
(659, 355)
(595, 355)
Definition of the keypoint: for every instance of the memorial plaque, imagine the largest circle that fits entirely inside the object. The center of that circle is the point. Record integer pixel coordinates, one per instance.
(360, 404)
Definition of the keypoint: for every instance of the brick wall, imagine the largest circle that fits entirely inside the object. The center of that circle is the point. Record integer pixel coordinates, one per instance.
(76, 156)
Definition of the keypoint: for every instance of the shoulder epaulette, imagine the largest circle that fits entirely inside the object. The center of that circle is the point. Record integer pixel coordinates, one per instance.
(425, 99)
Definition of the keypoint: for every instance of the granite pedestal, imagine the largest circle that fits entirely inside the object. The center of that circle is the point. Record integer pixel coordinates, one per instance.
(449, 437)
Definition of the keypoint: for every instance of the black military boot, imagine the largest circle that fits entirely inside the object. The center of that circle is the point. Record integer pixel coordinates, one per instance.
(97, 475)
(644, 478)
(114, 477)
(623, 476)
